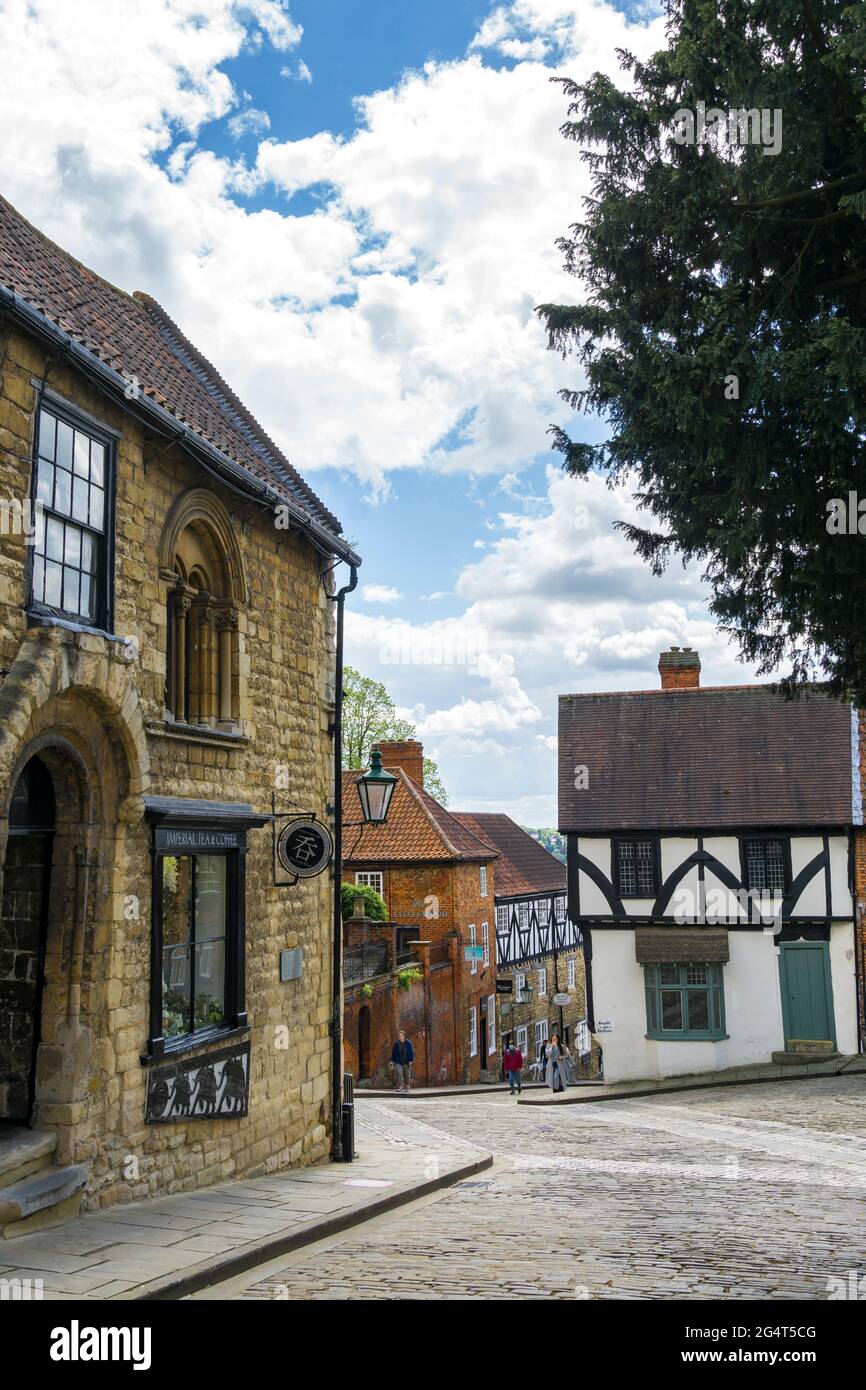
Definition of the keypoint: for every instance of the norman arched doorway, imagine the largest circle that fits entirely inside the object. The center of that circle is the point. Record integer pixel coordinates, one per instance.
(23, 931)
(364, 1042)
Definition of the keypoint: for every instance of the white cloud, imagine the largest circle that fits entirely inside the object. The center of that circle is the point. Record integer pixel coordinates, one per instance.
(249, 122)
(380, 593)
(298, 73)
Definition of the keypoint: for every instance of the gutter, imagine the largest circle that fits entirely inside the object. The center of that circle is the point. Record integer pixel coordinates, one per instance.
(150, 412)
(336, 1028)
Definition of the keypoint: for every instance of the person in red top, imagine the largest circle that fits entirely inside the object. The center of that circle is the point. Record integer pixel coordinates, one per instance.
(512, 1061)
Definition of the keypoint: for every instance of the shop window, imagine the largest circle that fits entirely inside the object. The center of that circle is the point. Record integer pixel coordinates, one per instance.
(685, 1001)
(198, 932)
(70, 573)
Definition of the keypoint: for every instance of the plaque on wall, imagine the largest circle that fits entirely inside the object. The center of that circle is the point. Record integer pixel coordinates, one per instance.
(200, 1088)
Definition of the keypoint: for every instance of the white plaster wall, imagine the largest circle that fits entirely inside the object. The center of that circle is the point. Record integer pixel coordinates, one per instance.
(812, 902)
(842, 971)
(842, 899)
(753, 1010)
(592, 901)
(721, 902)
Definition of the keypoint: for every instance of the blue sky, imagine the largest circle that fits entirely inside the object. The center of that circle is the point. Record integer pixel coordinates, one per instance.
(352, 209)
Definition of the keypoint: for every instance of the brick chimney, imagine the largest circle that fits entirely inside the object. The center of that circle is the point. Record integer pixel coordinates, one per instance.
(680, 669)
(406, 753)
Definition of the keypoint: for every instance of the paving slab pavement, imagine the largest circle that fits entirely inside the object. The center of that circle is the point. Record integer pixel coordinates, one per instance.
(168, 1247)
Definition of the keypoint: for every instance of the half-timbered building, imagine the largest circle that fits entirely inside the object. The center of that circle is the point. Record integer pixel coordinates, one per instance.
(710, 871)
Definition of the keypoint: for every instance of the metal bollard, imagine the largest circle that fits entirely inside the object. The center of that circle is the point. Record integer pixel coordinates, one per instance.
(348, 1136)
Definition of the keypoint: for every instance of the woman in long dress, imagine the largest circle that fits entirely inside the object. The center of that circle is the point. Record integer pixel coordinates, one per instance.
(555, 1074)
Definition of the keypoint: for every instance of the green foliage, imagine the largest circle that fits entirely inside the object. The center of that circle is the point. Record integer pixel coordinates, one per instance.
(714, 261)
(407, 977)
(552, 841)
(374, 903)
(369, 715)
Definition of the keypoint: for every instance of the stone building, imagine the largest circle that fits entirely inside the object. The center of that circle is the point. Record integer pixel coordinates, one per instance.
(538, 949)
(167, 655)
(437, 881)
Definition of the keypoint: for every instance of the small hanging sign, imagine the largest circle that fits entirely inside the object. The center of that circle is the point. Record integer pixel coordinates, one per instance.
(303, 848)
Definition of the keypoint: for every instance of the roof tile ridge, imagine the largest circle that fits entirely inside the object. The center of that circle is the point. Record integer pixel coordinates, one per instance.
(155, 311)
(422, 796)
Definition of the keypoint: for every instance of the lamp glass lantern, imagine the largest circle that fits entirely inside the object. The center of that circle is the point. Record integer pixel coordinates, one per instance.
(375, 789)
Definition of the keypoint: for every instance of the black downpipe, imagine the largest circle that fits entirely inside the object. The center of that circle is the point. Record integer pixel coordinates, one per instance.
(337, 944)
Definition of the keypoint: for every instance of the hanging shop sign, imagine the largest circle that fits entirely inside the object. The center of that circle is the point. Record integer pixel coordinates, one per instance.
(303, 848)
(473, 952)
(504, 986)
(200, 1088)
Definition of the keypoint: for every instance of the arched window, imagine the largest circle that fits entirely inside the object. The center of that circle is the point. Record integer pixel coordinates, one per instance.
(202, 569)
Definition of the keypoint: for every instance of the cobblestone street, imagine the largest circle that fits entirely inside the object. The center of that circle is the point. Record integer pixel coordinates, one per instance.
(742, 1192)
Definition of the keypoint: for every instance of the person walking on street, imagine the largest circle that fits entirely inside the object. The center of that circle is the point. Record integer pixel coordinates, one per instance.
(569, 1063)
(555, 1073)
(513, 1064)
(402, 1055)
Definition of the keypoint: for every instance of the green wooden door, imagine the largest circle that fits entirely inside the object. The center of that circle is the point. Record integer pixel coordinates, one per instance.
(807, 992)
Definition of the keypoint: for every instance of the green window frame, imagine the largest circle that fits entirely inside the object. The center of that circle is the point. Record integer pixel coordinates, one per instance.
(685, 1001)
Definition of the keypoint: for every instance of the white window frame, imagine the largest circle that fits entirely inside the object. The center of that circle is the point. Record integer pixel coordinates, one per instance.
(482, 880)
(572, 973)
(523, 1038)
(491, 1023)
(485, 941)
(542, 982)
(540, 1034)
(473, 941)
(473, 1032)
(502, 919)
(364, 879)
(519, 982)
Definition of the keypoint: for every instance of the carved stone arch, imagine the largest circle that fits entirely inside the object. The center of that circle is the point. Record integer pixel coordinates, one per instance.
(199, 508)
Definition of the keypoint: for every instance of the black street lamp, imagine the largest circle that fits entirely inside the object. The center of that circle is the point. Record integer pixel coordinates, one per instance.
(375, 789)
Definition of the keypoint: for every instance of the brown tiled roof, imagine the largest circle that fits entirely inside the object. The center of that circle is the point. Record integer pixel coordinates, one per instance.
(525, 866)
(417, 829)
(680, 945)
(134, 336)
(704, 758)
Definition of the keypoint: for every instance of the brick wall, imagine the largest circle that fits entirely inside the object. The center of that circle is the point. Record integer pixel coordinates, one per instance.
(110, 709)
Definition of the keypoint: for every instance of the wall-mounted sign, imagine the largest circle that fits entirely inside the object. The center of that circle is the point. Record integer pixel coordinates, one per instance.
(562, 999)
(504, 986)
(604, 1025)
(200, 1088)
(181, 840)
(292, 963)
(473, 952)
(305, 847)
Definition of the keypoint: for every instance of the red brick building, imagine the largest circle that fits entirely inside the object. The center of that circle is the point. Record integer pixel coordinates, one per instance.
(436, 878)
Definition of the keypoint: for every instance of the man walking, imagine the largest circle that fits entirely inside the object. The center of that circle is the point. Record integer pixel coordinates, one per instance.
(402, 1055)
(513, 1064)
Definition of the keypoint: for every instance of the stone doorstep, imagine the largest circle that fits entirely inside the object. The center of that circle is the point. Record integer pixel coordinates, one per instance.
(48, 1197)
(24, 1151)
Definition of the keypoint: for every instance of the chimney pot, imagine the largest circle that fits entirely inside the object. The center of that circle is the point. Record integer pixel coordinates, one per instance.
(680, 669)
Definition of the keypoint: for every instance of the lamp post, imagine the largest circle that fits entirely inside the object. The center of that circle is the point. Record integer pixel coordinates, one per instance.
(375, 789)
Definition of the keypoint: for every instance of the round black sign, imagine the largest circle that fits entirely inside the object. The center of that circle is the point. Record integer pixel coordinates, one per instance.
(305, 848)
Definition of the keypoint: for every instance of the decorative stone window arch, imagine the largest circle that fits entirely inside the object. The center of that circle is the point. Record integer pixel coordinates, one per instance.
(201, 567)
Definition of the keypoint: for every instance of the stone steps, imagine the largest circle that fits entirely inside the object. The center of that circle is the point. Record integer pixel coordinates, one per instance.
(45, 1198)
(801, 1056)
(24, 1152)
